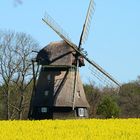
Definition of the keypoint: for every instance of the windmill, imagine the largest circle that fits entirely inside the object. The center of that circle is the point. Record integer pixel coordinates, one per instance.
(59, 92)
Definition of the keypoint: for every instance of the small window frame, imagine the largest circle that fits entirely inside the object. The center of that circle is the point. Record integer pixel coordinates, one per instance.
(49, 77)
(81, 112)
(46, 93)
(44, 109)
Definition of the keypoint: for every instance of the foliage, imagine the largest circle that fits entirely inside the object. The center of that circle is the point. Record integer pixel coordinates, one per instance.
(90, 129)
(108, 108)
(129, 99)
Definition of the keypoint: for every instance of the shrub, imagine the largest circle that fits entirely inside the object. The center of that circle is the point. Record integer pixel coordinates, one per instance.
(108, 108)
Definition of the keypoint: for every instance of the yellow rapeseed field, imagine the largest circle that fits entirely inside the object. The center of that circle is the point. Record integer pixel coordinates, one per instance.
(88, 129)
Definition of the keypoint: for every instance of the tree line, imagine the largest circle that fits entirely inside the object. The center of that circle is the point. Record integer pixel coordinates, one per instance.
(108, 103)
(16, 83)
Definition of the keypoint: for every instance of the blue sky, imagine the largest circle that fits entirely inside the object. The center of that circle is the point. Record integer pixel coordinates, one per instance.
(114, 37)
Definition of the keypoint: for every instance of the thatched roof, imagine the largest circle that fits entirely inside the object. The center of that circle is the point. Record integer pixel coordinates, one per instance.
(56, 53)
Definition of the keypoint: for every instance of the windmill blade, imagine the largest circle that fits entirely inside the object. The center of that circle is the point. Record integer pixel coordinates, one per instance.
(52, 24)
(94, 64)
(75, 83)
(103, 72)
(101, 77)
(87, 23)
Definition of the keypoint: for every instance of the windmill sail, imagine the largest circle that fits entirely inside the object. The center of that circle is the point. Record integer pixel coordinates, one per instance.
(75, 83)
(87, 23)
(94, 64)
(101, 77)
(55, 26)
(104, 73)
(83, 37)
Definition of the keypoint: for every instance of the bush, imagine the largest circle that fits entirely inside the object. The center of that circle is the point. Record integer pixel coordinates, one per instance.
(108, 108)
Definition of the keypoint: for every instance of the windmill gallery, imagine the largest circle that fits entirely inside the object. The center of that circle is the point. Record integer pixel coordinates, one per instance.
(58, 92)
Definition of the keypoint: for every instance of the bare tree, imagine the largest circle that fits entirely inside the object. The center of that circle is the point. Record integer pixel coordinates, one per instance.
(15, 69)
(93, 95)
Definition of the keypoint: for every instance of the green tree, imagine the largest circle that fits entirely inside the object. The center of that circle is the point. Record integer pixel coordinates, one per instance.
(108, 108)
(129, 99)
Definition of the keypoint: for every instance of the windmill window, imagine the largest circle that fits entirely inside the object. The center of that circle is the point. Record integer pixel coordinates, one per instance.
(44, 109)
(49, 77)
(81, 112)
(46, 93)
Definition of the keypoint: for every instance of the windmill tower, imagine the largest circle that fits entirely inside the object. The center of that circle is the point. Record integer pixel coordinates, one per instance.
(59, 92)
